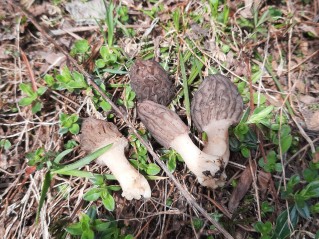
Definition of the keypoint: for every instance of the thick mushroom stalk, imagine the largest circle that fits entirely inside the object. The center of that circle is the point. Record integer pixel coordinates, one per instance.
(98, 133)
(215, 107)
(170, 131)
(151, 82)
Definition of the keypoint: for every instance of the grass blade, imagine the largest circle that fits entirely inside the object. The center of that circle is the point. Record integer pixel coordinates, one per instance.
(45, 188)
(84, 161)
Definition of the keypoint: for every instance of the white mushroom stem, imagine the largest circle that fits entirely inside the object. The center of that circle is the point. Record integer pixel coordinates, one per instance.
(204, 166)
(218, 143)
(132, 182)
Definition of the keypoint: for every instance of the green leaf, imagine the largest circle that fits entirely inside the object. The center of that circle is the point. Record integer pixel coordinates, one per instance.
(100, 63)
(4, 143)
(153, 169)
(41, 90)
(61, 155)
(92, 195)
(282, 229)
(114, 188)
(260, 114)
(63, 130)
(101, 226)
(81, 46)
(245, 152)
(79, 81)
(104, 51)
(75, 129)
(303, 209)
(84, 161)
(37, 107)
(45, 188)
(311, 190)
(263, 228)
(87, 234)
(75, 229)
(49, 80)
(108, 201)
(171, 164)
(285, 143)
(105, 106)
(26, 101)
(26, 88)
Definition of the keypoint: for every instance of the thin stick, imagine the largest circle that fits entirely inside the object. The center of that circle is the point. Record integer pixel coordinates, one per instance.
(184, 192)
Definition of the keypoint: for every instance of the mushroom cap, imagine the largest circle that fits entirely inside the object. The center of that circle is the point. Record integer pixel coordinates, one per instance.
(162, 123)
(99, 133)
(216, 99)
(151, 82)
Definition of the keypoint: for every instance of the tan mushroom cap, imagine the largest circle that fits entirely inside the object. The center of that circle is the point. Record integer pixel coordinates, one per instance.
(216, 99)
(99, 133)
(162, 123)
(151, 82)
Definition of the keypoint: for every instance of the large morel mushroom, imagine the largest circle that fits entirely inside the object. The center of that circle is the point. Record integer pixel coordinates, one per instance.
(99, 133)
(151, 82)
(215, 107)
(170, 131)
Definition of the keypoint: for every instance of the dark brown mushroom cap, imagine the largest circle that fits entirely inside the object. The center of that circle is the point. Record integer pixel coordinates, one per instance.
(217, 98)
(162, 123)
(151, 82)
(99, 133)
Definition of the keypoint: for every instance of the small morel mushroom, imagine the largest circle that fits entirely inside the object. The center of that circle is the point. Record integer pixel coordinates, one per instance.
(215, 107)
(98, 133)
(151, 82)
(170, 131)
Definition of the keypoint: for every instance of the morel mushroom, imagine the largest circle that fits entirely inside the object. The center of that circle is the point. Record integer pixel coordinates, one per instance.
(151, 82)
(215, 107)
(170, 131)
(97, 134)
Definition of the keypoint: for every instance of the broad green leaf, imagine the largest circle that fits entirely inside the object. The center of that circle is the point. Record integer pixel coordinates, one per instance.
(45, 188)
(84, 161)
(171, 164)
(285, 143)
(101, 226)
(36, 107)
(26, 88)
(75, 129)
(303, 209)
(87, 234)
(41, 90)
(49, 80)
(63, 130)
(108, 201)
(105, 106)
(92, 195)
(82, 46)
(257, 117)
(153, 169)
(4, 143)
(100, 63)
(311, 190)
(74, 229)
(263, 228)
(282, 229)
(245, 152)
(26, 101)
(104, 51)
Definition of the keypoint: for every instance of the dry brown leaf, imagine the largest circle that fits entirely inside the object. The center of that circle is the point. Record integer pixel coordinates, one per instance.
(243, 186)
